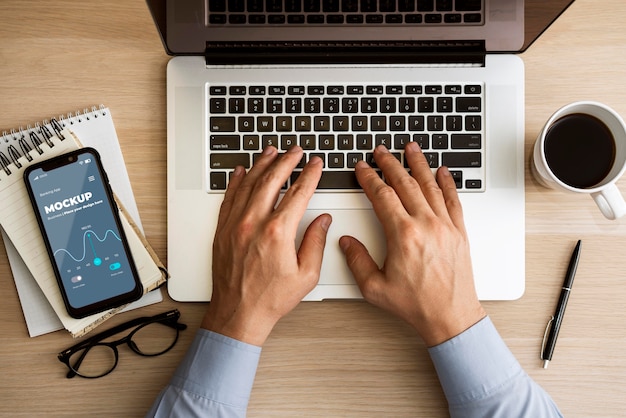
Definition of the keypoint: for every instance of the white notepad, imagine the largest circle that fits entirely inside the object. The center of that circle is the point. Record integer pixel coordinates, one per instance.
(94, 128)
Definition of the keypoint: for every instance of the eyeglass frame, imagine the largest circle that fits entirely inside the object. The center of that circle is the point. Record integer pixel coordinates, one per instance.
(169, 318)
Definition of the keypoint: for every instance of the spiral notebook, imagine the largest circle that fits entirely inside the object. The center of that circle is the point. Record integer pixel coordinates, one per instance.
(37, 288)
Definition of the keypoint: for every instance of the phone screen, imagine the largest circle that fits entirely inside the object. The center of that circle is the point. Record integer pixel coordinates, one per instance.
(82, 230)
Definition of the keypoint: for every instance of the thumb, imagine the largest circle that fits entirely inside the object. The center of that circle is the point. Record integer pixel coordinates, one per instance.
(311, 249)
(363, 267)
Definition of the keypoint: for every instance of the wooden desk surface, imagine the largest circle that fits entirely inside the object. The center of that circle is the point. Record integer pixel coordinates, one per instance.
(330, 358)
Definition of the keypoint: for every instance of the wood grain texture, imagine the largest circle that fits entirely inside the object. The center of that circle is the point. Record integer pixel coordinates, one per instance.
(332, 358)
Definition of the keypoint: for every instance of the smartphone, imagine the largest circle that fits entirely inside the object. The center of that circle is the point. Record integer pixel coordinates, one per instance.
(80, 225)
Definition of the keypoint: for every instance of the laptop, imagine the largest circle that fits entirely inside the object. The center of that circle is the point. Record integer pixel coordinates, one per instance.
(339, 77)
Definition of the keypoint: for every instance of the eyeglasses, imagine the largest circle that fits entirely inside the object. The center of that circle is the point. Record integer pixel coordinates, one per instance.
(152, 336)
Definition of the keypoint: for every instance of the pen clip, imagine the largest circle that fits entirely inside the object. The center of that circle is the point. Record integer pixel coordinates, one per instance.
(545, 336)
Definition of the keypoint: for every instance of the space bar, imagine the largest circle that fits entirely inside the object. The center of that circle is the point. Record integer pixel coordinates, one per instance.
(334, 180)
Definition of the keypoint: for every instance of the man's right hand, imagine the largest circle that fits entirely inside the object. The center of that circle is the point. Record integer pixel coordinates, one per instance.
(427, 277)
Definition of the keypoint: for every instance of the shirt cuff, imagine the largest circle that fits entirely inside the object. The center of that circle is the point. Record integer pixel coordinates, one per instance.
(219, 369)
(475, 364)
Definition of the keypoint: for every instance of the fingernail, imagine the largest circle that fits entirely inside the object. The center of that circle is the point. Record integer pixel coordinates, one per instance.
(315, 160)
(325, 222)
(293, 149)
(269, 150)
(444, 171)
(382, 148)
(238, 171)
(344, 243)
(413, 146)
(361, 164)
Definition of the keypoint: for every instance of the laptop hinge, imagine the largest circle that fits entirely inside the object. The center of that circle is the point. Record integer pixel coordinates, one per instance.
(402, 52)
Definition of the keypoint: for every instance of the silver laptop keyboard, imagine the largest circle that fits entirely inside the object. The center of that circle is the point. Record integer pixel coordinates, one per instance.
(342, 124)
(340, 12)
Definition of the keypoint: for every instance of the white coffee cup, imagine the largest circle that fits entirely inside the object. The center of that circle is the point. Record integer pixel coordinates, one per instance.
(572, 153)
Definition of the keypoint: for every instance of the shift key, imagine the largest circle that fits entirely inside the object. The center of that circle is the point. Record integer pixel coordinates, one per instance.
(229, 160)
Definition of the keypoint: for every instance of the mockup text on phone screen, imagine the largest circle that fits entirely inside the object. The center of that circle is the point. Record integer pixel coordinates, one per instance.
(84, 239)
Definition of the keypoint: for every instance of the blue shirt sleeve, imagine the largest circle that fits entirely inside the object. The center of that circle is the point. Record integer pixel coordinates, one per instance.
(479, 375)
(481, 378)
(214, 379)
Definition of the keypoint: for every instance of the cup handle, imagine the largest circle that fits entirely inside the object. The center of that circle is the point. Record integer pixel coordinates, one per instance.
(611, 202)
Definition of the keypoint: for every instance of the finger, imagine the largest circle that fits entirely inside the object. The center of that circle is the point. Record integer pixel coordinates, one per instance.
(267, 186)
(311, 250)
(229, 196)
(291, 208)
(366, 272)
(421, 171)
(385, 201)
(451, 197)
(248, 184)
(400, 180)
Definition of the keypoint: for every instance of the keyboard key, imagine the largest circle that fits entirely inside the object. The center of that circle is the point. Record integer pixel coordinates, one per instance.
(426, 104)
(222, 124)
(315, 90)
(217, 180)
(303, 123)
(335, 160)
(461, 159)
(295, 90)
(334, 180)
(433, 18)
(269, 141)
(321, 123)
(473, 89)
(454, 123)
(440, 141)
(473, 184)
(468, 104)
(466, 141)
(225, 142)
(425, 5)
(327, 142)
(353, 158)
(457, 176)
(345, 142)
(217, 90)
(307, 142)
(473, 123)
(245, 124)
(374, 90)
(251, 142)
(288, 142)
(237, 90)
(217, 105)
(400, 141)
(257, 90)
(432, 158)
(468, 5)
(229, 160)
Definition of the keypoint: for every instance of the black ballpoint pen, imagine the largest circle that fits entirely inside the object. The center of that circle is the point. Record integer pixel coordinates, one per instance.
(554, 325)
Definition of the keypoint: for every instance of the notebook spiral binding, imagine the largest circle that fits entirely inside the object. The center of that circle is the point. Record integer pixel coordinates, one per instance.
(19, 143)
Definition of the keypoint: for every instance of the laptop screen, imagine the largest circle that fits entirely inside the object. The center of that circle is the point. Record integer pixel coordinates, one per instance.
(190, 27)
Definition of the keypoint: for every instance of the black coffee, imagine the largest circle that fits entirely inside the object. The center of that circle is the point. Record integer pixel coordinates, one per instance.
(580, 150)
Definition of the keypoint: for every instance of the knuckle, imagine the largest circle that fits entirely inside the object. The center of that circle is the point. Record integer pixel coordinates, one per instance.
(245, 227)
(274, 229)
(383, 191)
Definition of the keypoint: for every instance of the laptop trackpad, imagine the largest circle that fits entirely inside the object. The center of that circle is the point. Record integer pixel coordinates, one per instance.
(359, 223)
